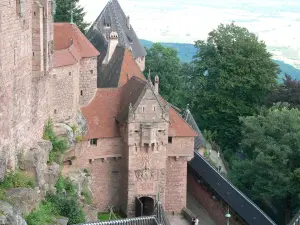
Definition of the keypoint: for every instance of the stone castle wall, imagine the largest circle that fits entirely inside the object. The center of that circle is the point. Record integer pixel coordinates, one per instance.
(64, 83)
(106, 179)
(23, 98)
(176, 184)
(88, 80)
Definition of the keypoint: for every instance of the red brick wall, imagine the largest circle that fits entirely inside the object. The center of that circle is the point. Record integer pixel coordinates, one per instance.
(214, 207)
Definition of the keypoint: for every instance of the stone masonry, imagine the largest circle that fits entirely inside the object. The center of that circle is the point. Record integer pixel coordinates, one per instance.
(87, 80)
(23, 95)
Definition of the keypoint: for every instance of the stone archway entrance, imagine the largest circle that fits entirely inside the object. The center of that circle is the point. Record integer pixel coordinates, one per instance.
(144, 206)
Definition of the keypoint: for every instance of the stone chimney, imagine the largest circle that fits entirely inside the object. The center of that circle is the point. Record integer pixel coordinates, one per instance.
(112, 44)
(128, 22)
(156, 83)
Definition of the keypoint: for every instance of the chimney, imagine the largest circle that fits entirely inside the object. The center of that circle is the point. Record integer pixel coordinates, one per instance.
(156, 83)
(112, 44)
(128, 22)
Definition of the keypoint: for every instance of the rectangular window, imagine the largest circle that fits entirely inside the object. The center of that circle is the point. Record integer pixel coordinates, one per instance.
(93, 141)
(170, 140)
(91, 71)
(81, 92)
(20, 6)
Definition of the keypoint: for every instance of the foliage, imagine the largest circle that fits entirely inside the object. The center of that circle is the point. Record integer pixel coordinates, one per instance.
(79, 138)
(233, 74)
(63, 203)
(65, 185)
(67, 207)
(17, 179)
(105, 216)
(45, 214)
(86, 194)
(271, 142)
(288, 92)
(187, 51)
(63, 13)
(164, 62)
(60, 145)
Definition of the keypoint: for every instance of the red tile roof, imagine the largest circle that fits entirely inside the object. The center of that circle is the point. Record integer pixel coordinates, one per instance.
(70, 45)
(102, 111)
(129, 69)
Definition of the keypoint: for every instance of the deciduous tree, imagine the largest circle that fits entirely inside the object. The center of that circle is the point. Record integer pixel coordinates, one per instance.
(271, 170)
(164, 62)
(234, 73)
(288, 92)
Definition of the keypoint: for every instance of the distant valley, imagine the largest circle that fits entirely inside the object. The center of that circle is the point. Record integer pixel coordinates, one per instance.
(187, 51)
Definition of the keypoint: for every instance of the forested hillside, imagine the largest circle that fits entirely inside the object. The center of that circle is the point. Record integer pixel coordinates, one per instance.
(187, 51)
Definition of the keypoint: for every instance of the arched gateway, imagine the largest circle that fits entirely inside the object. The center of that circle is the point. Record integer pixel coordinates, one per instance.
(144, 206)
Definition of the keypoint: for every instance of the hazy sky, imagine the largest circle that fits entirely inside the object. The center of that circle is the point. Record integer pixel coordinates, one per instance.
(277, 22)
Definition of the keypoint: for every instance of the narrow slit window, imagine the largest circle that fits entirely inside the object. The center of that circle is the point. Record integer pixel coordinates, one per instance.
(170, 140)
(81, 92)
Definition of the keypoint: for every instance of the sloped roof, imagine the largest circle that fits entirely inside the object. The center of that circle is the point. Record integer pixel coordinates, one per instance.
(119, 70)
(111, 104)
(199, 140)
(242, 205)
(70, 45)
(113, 15)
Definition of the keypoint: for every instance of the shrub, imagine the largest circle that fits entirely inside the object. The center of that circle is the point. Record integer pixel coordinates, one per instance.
(65, 184)
(45, 214)
(68, 207)
(79, 138)
(86, 194)
(60, 145)
(17, 179)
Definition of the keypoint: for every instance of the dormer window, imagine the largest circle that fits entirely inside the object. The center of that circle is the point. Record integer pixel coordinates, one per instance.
(106, 25)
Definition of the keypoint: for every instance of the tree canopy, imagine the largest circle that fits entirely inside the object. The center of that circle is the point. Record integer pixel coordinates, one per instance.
(165, 63)
(271, 170)
(288, 92)
(233, 74)
(63, 13)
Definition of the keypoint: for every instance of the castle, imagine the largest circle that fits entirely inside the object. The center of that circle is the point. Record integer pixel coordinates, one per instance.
(136, 145)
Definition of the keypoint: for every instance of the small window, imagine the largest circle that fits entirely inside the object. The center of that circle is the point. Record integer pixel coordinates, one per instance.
(32, 53)
(55, 111)
(34, 13)
(90, 161)
(81, 92)
(154, 108)
(91, 71)
(93, 141)
(20, 5)
(170, 140)
(143, 109)
(70, 73)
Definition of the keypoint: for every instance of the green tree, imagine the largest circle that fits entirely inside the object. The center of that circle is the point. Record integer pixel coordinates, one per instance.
(271, 170)
(63, 13)
(165, 63)
(288, 92)
(233, 74)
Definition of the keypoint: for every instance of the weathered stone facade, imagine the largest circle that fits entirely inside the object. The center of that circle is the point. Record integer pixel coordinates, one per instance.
(23, 95)
(136, 152)
(64, 93)
(87, 80)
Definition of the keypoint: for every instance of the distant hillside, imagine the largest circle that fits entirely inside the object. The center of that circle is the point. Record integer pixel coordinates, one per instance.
(187, 51)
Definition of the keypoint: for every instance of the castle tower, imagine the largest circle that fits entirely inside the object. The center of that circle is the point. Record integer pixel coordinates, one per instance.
(25, 31)
(113, 19)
